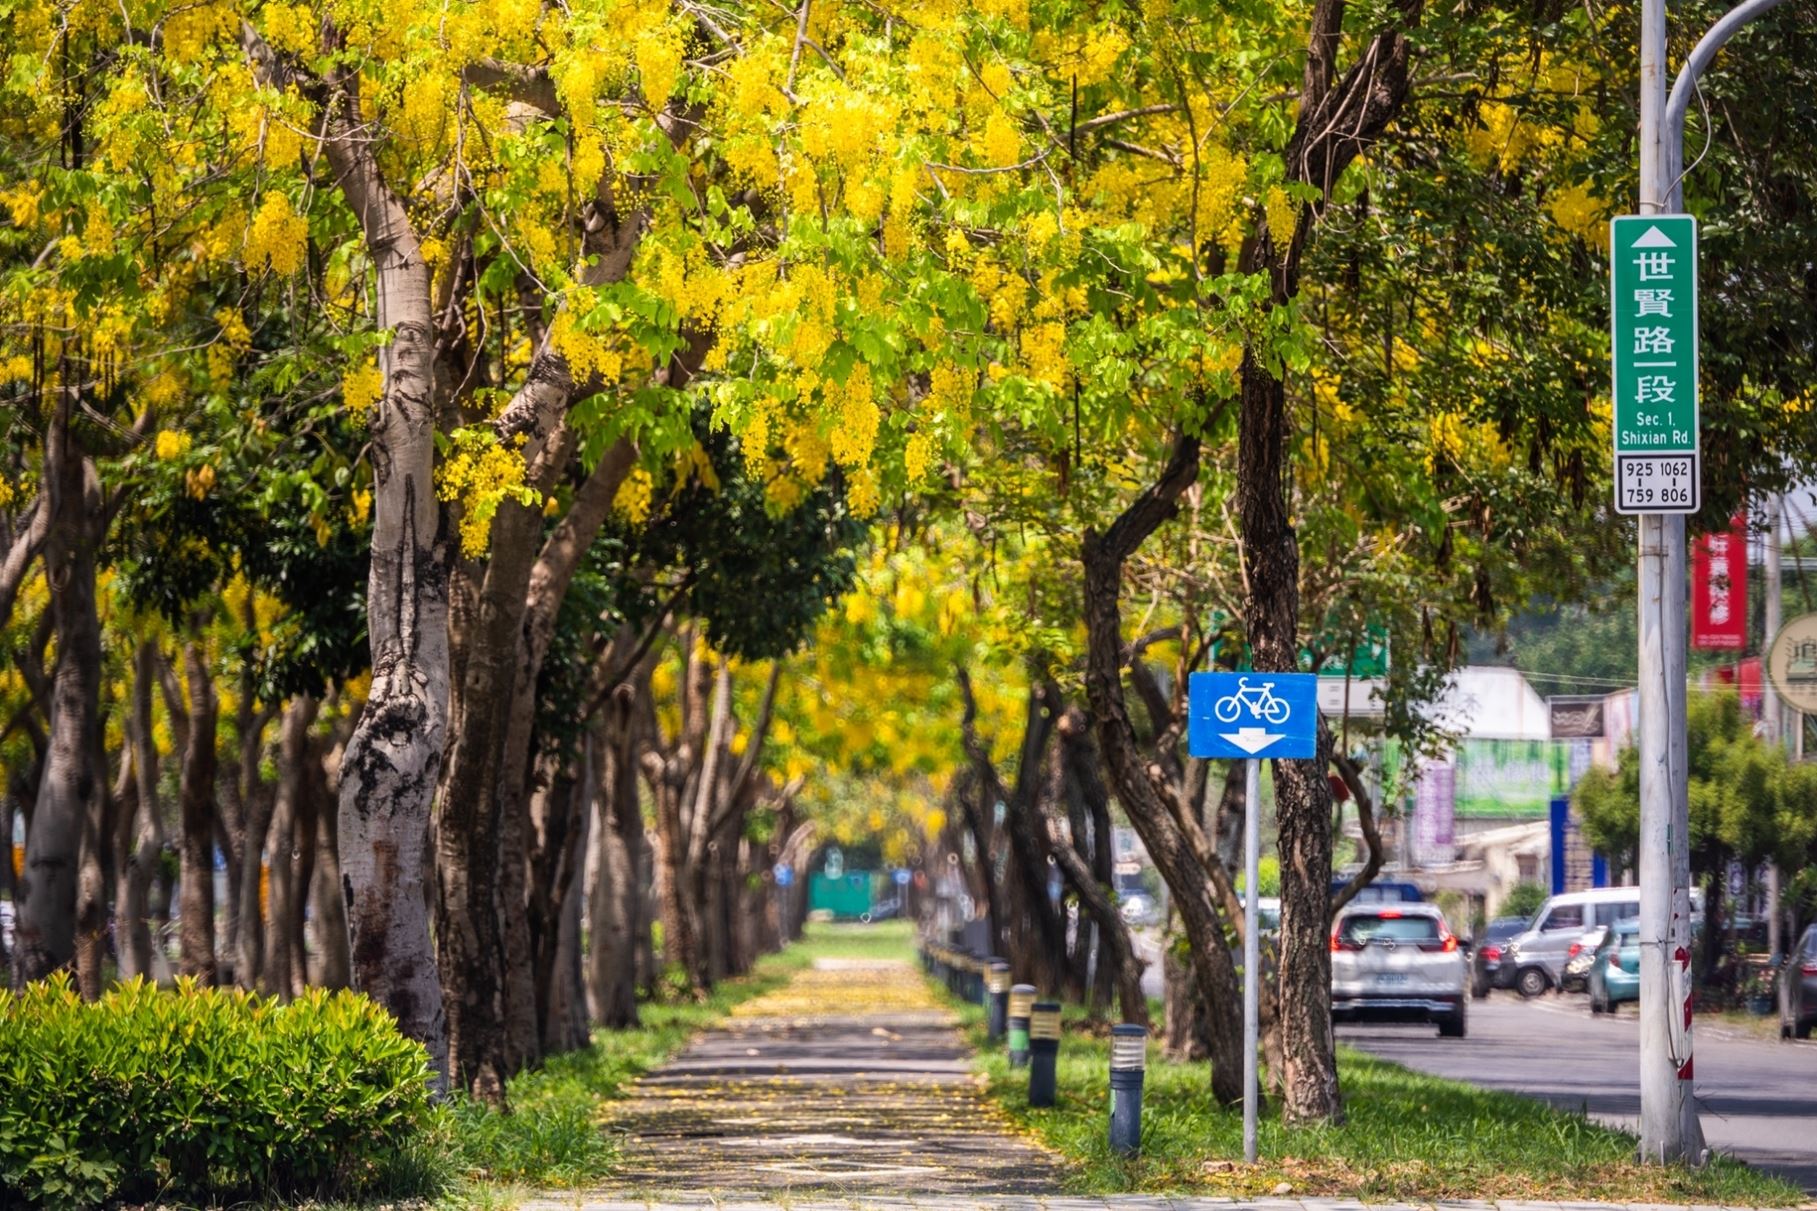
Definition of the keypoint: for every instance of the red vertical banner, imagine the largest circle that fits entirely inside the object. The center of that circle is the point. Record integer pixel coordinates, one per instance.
(1719, 588)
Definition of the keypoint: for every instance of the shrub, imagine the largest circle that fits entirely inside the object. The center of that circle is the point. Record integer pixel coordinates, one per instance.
(1524, 900)
(204, 1094)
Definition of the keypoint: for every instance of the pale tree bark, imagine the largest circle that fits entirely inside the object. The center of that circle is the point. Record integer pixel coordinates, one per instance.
(394, 757)
(293, 752)
(1339, 117)
(24, 543)
(67, 815)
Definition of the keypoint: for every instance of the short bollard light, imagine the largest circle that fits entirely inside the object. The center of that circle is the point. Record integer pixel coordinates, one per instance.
(1128, 1058)
(996, 999)
(1043, 1051)
(1021, 1002)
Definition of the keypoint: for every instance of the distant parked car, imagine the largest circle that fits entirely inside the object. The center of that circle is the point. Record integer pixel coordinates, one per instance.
(1381, 891)
(1534, 962)
(1486, 955)
(1398, 963)
(1576, 974)
(1800, 1014)
(1139, 908)
(1614, 974)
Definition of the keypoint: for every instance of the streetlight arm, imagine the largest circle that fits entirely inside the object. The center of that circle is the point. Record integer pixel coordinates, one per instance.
(1680, 100)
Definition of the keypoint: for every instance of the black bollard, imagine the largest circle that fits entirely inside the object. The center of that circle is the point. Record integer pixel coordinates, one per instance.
(1128, 1058)
(996, 1000)
(1043, 1051)
(1021, 1001)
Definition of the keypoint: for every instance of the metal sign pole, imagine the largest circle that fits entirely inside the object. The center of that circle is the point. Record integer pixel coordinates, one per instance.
(1252, 949)
(1665, 1052)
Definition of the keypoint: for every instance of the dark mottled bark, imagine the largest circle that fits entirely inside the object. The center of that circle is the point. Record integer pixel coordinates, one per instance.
(1147, 795)
(196, 811)
(1339, 117)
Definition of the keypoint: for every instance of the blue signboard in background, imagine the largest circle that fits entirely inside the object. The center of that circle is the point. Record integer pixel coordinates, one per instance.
(1241, 715)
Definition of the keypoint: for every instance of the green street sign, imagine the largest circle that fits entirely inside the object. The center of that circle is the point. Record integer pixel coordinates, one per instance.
(1653, 323)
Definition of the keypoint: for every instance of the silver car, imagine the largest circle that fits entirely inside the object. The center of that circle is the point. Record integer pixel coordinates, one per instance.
(1398, 963)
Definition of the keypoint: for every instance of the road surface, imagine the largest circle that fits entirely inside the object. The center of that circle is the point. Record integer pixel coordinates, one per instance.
(1758, 1097)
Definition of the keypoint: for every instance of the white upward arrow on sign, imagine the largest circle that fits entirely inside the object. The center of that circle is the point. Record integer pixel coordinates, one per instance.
(1653, 237)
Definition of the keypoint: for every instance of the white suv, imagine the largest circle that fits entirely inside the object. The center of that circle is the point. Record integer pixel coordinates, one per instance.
(1398, 963)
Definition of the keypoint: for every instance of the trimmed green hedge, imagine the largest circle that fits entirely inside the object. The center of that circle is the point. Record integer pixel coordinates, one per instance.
(204, 1095)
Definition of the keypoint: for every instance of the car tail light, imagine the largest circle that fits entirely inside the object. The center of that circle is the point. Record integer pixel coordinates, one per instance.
(1338, 944)
(1491, 953)
(1575, 948)
(1809, 969)
(1444, 945)
(1615, 960)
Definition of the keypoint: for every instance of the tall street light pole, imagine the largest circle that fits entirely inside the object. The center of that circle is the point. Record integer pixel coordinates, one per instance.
(1669, 1127)
(1669, 1130)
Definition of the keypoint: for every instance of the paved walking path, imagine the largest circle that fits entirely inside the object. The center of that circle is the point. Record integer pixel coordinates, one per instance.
(849, 1089)
(849, 1080)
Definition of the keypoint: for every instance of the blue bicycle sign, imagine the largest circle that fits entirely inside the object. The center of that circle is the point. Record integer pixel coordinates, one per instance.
(1260, 699)
(1239, 715)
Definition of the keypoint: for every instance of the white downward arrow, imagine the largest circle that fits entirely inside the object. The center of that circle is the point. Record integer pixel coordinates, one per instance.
(1252, 739)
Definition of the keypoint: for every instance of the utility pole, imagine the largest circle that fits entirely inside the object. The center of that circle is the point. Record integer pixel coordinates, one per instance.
(1669, 1130)
(1770, 714)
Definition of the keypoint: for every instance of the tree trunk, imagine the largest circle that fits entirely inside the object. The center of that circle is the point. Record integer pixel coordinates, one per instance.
(147, 826)
(390, 768)
(67, 813)
(1144, 797)
(248, 928)
(1186, 1023)
(196, 875)
(334, 961)
(1338, 118)
(302, 875)
(615, 900)
(293, 751)
(558, 814)
(1116, 950)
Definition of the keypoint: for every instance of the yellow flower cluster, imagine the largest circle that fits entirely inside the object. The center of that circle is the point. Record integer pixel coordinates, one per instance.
(362, 387)
(856, 416)
(632, 501)
(1283, 215)
(999, 144)
(481, 474)
(170, 444)
(289, 27)
(917, 456)
(589, 356)
(278, 237)
(658, 52)
(1044, 354)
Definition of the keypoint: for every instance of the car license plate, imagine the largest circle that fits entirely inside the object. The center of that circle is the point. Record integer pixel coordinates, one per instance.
(1392, 977)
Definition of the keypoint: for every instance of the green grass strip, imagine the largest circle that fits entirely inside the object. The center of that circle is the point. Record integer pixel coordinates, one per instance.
(1408, 1137)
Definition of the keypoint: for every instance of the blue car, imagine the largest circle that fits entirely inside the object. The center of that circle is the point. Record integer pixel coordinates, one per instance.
(1615, 971)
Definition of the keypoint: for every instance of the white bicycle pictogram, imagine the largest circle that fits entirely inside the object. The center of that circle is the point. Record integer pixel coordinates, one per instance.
(1260, 699)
